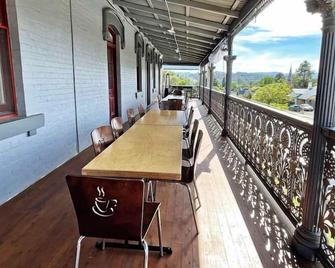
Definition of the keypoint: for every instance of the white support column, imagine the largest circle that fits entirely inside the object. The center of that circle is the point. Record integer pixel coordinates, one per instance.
(211, 81)
(229, 74)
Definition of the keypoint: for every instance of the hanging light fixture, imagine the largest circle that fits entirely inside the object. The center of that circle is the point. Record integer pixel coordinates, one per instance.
(177, 50)
(171, 31)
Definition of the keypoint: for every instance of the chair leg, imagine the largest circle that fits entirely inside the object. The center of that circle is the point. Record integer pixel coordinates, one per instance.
(159, 224)
(146, 253)
(193, 209)
(103, 244)
(78, 251)
(149, 191)
(197, 192)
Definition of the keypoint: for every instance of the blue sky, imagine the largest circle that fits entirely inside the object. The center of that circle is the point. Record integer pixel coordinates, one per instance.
(278, 38)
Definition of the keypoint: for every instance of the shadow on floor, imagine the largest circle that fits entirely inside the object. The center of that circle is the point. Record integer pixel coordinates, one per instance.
(269, 233)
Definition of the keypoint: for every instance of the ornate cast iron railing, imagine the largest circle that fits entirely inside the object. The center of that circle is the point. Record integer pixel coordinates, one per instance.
(327, 216)
(277, 146)
(206, 96)
(218, 106)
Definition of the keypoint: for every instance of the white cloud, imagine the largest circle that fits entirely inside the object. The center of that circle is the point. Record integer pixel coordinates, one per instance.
(282, 19)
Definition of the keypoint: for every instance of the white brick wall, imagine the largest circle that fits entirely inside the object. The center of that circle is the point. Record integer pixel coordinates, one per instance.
(46, 52)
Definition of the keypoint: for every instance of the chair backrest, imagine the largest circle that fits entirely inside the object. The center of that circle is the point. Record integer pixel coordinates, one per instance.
(108, 208)
(117, 125)
(141, 110)
(102, 137)
(175, 104)
(193, 135)
(190, 117)
(131, 116)
(197, 146)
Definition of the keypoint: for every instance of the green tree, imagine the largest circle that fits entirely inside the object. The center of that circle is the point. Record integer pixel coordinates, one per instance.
(279, 77)
(275, 94)
(303, 75)
(266, 81)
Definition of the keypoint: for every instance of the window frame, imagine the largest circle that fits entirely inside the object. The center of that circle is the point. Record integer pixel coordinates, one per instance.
(9, 109)
(139, 68)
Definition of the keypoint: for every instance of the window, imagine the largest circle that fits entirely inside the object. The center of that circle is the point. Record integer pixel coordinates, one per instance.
(139, 68)
(7, 95)
(154, 72)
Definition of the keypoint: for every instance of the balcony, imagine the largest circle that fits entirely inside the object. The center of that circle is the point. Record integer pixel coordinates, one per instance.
(266, 178)
(237, 216)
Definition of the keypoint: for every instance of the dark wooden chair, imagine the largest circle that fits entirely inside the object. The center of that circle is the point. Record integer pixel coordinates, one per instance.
(188, 152)
(102, 137)
(186, 129)
(131, 116)
(175, 104)
(141, 110)
(117, 125)
(112, 209)
(188, 176)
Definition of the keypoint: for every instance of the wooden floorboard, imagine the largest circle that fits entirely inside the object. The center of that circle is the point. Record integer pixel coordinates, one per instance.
(38, 227)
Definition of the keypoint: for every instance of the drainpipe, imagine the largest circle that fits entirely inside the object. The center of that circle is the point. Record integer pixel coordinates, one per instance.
(229, 74)
(74, 80)
(306, 238)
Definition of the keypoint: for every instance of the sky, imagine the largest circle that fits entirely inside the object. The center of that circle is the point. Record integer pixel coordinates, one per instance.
(283, 35)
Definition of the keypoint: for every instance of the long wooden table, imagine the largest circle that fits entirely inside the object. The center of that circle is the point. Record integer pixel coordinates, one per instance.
(163, 117)
(144, 151)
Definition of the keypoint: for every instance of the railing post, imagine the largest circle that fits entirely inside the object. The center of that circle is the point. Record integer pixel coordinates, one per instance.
(211, 80)
(199, 84)
(203, 85)
(306, 238)
(229, 74)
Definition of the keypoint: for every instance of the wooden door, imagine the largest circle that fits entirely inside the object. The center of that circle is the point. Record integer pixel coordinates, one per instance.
(112, 83)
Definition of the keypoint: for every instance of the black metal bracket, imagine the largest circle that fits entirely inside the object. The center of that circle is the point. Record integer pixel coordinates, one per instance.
(166, 250)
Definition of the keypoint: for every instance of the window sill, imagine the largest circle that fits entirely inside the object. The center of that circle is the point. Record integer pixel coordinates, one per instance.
(19, 125)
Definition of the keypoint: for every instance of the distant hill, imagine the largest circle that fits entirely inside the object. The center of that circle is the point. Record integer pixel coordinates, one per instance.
(239, 77)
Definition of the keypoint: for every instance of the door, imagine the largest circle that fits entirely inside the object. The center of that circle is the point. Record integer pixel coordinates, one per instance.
(112, 83)
(148, 84)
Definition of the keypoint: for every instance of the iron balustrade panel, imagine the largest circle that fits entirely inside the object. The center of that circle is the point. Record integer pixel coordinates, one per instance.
(276, 146)
(206, 96)
(327, 215)
(218, 106)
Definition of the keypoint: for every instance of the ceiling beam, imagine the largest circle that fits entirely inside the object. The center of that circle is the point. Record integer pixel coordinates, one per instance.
(171, 41)
(184, 36)
(191, 36)
(172, 44)
(162, 12)
(205, 7)
(179, 39)
(167, 25)
(183, 52)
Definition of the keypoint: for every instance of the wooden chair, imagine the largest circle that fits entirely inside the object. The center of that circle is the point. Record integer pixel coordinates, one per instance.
(117, 125)
(188, 152)
(141, 110)
(102, 137)
(188, 176)
(175, 104)
(131, 116)
(186, 129)
(112, 209)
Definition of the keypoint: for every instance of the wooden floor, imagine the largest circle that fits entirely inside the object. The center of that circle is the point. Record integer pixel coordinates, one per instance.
(238, 228)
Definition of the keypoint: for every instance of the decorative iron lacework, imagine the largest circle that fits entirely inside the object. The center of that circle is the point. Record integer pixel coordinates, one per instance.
(206, 96)
(276, 146)
(327, 218)
(217, 106)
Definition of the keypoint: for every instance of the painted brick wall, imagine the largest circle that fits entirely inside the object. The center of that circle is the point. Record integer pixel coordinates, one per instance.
(44, 31)
(44, 28)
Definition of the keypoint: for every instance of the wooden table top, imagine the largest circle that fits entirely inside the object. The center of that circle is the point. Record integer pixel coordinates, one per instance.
(163, 117)
(144, 151)
(173, 97)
